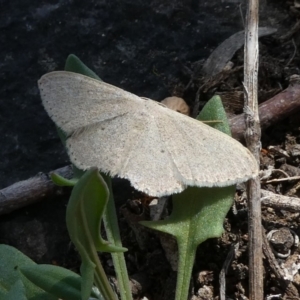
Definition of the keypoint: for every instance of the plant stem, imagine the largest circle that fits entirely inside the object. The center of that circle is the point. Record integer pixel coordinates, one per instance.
(185, 266)
(198, 214)
(113, 236)
(100, 278)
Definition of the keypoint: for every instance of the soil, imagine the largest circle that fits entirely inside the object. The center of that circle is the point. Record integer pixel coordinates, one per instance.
(153, 49)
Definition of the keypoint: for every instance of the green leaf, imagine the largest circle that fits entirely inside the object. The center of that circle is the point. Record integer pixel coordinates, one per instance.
(198, 213)
(214, 110)
(11, 260)
(55, 280)
(74, 64)
(17, 291)
(84, 212)
(62, 181)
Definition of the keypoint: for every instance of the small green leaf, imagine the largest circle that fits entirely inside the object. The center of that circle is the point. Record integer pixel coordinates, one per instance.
(84, 212)
(61, 181)
(74, 64)
(214, 110)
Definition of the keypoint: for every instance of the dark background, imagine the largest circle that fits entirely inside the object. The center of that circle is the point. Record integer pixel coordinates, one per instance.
(144, 47)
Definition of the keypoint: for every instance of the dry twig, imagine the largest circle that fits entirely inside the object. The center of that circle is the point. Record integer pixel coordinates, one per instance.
(288, 286)
(280, 201)
(29, 191)
(273, 110)
(283, 179)
(252, 136)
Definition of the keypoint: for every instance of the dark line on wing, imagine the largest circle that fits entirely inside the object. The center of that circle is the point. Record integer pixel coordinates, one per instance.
(95, 124)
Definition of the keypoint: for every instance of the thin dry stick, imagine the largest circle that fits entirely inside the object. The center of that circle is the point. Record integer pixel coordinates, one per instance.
(280, 201)
(252, 136)
(273, 110)
(32, 190)
(283, 179)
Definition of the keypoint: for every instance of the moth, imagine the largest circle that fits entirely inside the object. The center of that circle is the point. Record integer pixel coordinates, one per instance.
(160, 151)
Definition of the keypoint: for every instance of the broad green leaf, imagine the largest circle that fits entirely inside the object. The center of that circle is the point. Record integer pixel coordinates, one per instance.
(56, 280)
(11, 260)
(202, 219)
(17, 291)
(198, 214)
